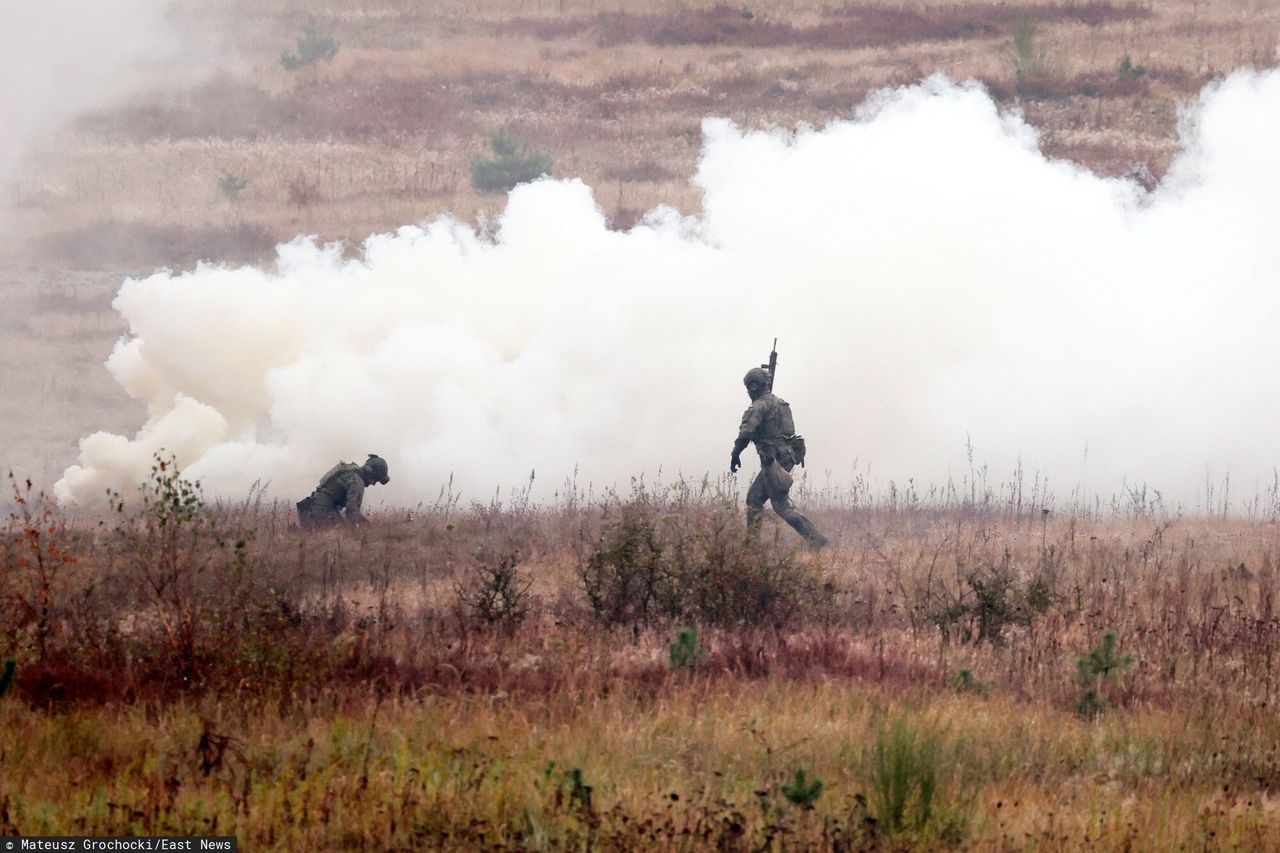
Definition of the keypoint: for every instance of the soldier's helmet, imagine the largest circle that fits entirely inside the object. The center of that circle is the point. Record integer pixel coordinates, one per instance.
(377, 468)
(757, 377)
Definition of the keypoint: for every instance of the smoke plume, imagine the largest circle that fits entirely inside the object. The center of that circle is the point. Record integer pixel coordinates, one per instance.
(934, 281)
(70, 56)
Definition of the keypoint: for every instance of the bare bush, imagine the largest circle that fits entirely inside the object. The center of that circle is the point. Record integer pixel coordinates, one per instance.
(654, 564)
(34, 555)
(495, 591)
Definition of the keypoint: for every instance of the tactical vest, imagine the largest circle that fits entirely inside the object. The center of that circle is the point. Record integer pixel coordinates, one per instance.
(777, 423)
(773, 437)
(330, 491)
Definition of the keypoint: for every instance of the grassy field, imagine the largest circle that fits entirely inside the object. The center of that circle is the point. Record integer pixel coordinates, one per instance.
(613, 93)
(599, 674)
(636, 672)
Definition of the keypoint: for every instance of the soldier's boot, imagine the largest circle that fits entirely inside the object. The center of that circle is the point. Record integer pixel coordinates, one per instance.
(755, 519)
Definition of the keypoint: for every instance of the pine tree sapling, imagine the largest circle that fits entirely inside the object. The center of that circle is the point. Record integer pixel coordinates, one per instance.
(802, 791)
(316, 44)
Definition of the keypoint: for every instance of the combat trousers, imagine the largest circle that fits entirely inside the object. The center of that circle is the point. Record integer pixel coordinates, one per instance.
(773, 484)
(315, 515)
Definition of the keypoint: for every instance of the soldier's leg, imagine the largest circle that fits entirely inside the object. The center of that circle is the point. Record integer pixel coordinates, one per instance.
(757, 495)
(304, 512)
(779, 485)
(327, 518)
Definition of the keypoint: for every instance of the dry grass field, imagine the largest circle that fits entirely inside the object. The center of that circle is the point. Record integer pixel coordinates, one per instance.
(624, 673)
(634, 673)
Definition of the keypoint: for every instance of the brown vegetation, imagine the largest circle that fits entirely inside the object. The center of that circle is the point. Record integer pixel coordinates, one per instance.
(495, 678)
(140, 246)
(492, 651)
(845, 28)
(388, 129)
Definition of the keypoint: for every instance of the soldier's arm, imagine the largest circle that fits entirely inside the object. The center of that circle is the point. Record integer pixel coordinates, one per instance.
(751, 419)
(355, 497)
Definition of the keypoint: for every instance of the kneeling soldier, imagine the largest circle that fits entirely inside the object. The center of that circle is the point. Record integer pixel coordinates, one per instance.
(342, 489)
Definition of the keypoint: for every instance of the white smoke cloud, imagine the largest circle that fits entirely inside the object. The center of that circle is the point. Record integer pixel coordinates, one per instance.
(929, 274)
(65, 57)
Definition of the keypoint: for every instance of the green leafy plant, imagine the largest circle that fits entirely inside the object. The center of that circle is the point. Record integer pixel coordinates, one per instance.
(1039, 595)
(1128, 71)
(905, 776)
(578, 790)
(802, 791)
(1095, 670)
(993, 603)
(1030, 62)
(626, 576)
(912, 789)
(512, 164)
(231, 185)
(685, 653)
(316, 44)
(965, 682)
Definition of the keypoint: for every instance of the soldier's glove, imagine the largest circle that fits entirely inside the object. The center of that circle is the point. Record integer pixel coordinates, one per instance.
(735, 462)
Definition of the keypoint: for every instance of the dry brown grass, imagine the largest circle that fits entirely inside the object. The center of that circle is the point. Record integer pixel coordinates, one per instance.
(356, 688)
(357, 706)
(389, 129)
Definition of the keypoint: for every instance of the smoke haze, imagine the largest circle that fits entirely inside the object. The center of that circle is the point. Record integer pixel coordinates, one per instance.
(931, 277)
(70, 56)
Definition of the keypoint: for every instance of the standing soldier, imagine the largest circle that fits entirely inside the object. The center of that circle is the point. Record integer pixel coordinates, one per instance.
(767, 422)
(342, 488)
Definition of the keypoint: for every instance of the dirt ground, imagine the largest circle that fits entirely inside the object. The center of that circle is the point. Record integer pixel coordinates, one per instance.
(613, 92)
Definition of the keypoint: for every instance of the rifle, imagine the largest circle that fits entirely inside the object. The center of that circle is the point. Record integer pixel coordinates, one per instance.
(773, 364)
(796, 441)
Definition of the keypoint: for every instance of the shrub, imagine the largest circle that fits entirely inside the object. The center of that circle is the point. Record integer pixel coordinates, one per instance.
(571, 789)
(699, 566)
(33, 555)
(1128, 71)
(496, 593)
(512, 164)
(1031, 65)
(1094, 671)
(992, 604)
(191, 579)
(316, 44)
(802, 791)
(625, 574)
(909, 776)
(231, 185)
(965, 682)
(685, 653)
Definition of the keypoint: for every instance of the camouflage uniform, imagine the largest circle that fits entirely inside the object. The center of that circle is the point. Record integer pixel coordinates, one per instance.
(769, 425)
(341, 488)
